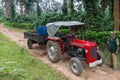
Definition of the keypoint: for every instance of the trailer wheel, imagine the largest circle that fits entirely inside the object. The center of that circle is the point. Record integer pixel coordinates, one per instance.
(29, 44)
(75, 66)
(53, 50)
(100, 56)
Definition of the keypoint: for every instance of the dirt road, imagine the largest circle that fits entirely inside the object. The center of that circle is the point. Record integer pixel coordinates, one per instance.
(96, 73)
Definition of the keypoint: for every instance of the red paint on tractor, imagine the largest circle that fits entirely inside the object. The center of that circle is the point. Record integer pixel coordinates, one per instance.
(86, 45)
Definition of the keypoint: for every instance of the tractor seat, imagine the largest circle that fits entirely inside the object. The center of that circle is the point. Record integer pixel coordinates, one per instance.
(58, 34)
(62, 36)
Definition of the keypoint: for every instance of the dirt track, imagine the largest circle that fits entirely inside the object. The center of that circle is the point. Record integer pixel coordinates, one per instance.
(96, 73)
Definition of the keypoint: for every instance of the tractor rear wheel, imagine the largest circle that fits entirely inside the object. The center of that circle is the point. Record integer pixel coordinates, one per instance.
(53, 50)
(29, 44)
(100, 56)
(76, 66)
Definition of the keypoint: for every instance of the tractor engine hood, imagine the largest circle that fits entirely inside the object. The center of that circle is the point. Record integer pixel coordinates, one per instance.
(82, 43)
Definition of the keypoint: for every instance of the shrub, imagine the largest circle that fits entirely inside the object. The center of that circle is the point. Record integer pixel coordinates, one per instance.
(29, 26)
(25, 19)
(100, 38)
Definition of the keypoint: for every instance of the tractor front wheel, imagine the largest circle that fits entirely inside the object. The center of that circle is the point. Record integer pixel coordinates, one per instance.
(53, 50)
(29, 44)
(100, 56)
(75, 66)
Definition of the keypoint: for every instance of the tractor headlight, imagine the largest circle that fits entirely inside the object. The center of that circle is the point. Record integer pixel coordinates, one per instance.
(97, 47)
(86, 50)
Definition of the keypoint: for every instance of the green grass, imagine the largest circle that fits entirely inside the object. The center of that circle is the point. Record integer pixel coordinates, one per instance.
(16, 29)
(17, 64)
(107, 58)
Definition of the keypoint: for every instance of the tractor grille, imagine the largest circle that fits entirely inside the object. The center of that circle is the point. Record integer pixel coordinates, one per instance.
(93, 52)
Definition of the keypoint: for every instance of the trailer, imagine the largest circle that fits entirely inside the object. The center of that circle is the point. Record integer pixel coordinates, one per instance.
(39, 36)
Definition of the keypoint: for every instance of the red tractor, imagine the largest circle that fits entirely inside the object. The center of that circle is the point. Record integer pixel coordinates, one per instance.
(59, 44)
(79, 50)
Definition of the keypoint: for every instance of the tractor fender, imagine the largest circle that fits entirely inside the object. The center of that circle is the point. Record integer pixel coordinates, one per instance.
(59, 40)
(53, 38)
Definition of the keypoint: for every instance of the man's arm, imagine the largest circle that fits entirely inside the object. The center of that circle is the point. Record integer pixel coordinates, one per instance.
(117, 41)
(107, 44)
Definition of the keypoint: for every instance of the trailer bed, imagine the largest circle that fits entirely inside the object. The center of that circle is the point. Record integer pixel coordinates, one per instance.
(35, 37)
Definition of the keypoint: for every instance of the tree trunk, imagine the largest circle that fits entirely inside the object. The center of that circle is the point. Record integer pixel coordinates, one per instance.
(70, 7)
(21, 7)
(116, 15)
(103, 5)
(6, 8)
(119, 7)
(12, 10)
(64, 7)
(38, 10)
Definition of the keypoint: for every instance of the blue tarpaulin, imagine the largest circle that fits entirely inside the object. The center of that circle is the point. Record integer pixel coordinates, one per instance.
(41, 30)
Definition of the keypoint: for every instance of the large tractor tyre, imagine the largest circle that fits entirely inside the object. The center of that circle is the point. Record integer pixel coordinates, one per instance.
(29, 44)
(54, 51)
(76, 66)
(100, 56)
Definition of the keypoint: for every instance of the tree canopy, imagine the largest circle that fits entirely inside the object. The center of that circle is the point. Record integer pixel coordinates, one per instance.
(97, 14)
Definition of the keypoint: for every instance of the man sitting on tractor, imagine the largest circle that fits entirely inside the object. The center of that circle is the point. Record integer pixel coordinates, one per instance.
(73, 31)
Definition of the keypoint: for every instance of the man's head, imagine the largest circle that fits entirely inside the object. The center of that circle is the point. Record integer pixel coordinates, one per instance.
(73, 29)
(112, 34)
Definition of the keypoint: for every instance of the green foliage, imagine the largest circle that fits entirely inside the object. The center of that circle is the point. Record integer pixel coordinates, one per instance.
(93, 14)
(100, 38)
(95, 18)
(79, 16)
(97, 23)
(64, 7)
(29, 6)
(17, 64)
(70, 7)
(25, 19)
(28, 26)
(12, 10)
(100, 23)
(38, 10)
(1, 11)
(64, 31)
(107, 58)
(1, 19)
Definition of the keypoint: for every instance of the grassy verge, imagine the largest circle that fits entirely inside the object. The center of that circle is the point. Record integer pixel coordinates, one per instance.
(107, 58)
(17, 64)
